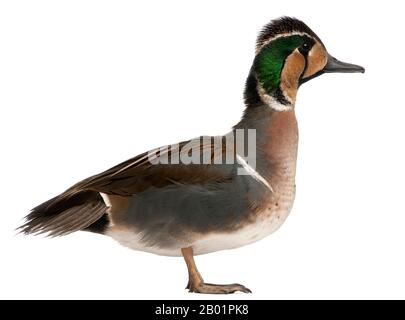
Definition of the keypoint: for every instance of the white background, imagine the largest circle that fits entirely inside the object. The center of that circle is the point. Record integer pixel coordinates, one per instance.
(85, 85)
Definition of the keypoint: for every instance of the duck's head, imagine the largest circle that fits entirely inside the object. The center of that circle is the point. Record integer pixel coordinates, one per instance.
(288, 54)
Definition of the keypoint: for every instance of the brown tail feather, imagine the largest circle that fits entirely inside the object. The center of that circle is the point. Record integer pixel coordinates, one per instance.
(64, 214)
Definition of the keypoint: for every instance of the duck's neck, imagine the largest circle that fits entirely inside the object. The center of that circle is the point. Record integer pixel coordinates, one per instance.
(276, 137)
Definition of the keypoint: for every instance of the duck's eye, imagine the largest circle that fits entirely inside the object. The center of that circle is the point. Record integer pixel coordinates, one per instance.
(305, 47)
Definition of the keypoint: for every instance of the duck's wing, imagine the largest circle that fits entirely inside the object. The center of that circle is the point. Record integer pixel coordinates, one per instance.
(163, 166)
(82, 205)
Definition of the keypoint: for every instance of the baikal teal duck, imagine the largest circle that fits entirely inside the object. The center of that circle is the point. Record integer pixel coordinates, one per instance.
(166, 202)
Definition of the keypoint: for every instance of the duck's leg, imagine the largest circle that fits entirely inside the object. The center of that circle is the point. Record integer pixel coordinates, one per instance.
(197, 284)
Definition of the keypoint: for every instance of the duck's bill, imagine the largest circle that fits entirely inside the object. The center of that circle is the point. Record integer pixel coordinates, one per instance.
(335, 66)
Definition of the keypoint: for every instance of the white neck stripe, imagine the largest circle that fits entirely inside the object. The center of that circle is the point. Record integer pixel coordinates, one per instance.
(271, 102)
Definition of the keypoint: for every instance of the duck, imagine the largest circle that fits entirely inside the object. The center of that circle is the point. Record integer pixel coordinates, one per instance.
(209, 193)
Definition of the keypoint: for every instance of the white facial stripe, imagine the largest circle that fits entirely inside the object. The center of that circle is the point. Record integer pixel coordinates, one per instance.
(283, 35)
(252, 172)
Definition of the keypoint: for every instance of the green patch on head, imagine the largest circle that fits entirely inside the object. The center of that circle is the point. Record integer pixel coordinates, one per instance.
(269, 62)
